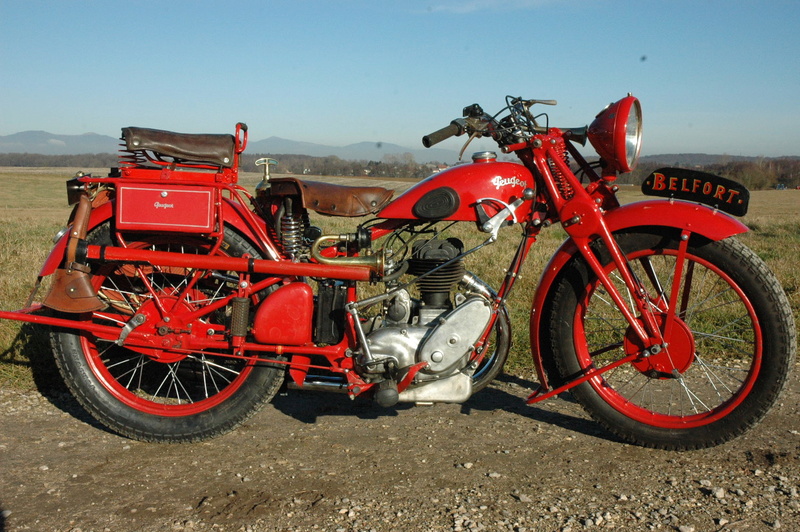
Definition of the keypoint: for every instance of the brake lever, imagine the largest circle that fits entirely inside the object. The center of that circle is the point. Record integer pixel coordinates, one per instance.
(464, 147)
(475, 125)
(529, 103)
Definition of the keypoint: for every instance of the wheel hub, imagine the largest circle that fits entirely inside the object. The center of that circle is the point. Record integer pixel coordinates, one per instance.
(165, 335)
(676, 353)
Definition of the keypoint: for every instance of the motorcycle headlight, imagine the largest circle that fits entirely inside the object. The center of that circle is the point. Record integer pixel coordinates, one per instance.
(616, 134)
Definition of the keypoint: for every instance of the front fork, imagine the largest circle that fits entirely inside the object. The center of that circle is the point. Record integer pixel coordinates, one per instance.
(583, 220)
(647, 330)
(653, 339)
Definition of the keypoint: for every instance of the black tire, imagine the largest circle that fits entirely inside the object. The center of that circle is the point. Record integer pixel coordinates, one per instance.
(187, 399)
(492, 364)
(731, 351)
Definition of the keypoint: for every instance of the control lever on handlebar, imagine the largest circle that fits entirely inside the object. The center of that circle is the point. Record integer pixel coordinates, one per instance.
(529, 103)
(473, 111)
(542, 102)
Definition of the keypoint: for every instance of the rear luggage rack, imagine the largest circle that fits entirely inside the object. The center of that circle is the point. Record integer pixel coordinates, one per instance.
(157, 154)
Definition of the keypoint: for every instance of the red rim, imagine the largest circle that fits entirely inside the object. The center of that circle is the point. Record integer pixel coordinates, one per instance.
(116, 369)
(629, 406)
(124, 395)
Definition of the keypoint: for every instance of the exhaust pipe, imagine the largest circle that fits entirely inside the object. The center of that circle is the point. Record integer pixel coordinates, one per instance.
(321, 383)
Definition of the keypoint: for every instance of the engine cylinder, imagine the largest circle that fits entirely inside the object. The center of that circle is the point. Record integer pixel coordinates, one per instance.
(429, 254)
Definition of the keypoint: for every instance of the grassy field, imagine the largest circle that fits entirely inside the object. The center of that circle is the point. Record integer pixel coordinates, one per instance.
(33, 208)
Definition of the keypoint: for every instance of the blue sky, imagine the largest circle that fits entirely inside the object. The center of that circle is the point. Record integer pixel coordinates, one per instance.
(713, 76)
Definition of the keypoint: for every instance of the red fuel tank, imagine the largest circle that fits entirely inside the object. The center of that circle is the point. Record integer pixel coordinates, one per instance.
(454, 193)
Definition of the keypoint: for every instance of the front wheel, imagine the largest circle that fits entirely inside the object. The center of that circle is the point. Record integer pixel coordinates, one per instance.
(729, 344)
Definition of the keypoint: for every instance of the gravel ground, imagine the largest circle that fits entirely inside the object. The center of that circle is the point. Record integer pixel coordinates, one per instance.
(322, 462)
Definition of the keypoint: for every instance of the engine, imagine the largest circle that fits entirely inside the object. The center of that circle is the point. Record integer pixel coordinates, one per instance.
(425, 324)
(437, 328)
(438, 325)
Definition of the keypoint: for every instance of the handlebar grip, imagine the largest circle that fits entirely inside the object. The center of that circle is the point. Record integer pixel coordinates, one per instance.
(454, 129)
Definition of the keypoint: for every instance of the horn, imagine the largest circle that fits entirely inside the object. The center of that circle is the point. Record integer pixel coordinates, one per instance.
(374, 262)
(577, 134)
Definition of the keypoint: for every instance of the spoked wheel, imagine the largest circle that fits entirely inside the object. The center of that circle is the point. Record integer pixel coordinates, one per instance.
(163, 393)
(727, 350)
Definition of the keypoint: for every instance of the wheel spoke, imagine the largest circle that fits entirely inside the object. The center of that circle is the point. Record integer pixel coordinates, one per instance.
(686, 381)
(713, 378)
(141, 373)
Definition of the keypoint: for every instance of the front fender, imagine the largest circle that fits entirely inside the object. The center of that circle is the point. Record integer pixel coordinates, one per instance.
(710, 223)
(231, 215)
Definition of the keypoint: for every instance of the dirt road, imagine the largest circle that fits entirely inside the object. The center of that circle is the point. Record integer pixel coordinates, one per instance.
(322, 462)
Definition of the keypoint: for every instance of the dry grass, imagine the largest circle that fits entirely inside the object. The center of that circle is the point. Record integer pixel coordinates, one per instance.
(33, 208)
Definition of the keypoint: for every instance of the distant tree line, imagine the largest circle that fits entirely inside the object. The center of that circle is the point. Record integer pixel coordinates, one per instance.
(755, 174)
(390, 166)
(401, 165)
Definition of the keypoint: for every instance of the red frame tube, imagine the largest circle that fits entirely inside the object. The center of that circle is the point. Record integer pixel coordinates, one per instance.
(237, 264)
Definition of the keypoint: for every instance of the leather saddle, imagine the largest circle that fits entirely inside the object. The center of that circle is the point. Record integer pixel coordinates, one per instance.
(201, 148)
(333, 200)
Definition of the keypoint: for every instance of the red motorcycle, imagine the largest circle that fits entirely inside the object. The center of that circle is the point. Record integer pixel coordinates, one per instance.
(179, 302)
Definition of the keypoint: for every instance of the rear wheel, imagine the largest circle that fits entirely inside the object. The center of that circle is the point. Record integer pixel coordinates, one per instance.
(168, 394)
(729, 347)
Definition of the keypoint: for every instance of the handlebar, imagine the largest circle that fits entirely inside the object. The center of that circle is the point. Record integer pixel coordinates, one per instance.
(456, 128)
(516, 128)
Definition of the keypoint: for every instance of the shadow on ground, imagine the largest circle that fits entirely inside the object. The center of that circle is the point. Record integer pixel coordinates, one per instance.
(309, 406)
(31, 348)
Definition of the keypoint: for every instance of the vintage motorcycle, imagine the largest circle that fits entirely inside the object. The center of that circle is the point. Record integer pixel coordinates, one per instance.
(179, 303)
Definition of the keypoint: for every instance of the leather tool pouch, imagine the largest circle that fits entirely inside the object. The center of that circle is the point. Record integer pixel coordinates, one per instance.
(72, 290)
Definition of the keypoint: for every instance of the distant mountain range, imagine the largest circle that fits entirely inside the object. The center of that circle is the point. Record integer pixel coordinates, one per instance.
(42, 142)
(46, 143)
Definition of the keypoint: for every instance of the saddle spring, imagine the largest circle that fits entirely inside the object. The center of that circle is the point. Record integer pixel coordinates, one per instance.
(293, 227)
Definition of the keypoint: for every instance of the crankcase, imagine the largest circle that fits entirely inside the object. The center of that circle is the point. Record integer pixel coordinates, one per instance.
(397, 343)
(454, 389)
(452, 340)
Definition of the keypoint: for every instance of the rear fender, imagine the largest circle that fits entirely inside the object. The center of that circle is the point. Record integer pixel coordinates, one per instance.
(231, 214)
(679, 215)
